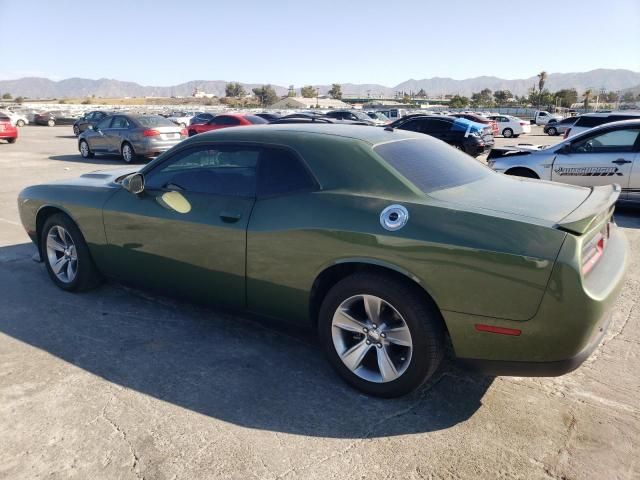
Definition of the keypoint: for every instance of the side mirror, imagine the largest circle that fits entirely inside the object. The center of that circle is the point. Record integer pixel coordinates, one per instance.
(133, 183)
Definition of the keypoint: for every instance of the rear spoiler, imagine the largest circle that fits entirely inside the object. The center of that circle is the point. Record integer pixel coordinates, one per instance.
(597, 206)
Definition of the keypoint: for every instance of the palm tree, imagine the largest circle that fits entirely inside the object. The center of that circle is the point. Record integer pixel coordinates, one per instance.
(542, 78)
(587, 97)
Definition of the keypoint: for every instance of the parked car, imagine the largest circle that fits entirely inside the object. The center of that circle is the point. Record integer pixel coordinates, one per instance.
(91, 118)
(183, 118)
(393, 113)
(509, 126)
(224, 121)
(604, 155)
(8, 131)
(202, 118)
(379, 116)
(477, 118)
(470, 137)
(314, 117)
(268, 116)
(590, 120)
(406, 235)
(131, 136)
(559, 128)
(352, 115)
(542, 117)
(51, 119)
(17, 119)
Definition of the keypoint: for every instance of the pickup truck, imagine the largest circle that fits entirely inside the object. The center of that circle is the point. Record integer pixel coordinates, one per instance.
(542, 117)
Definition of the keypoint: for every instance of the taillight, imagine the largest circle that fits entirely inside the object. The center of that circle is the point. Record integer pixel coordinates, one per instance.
(522, 124)
(566, 133)
(184, 132)
(592, 250)
(150, 133)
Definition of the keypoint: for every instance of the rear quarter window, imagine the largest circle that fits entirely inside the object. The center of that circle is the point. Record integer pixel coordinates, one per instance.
(589, 122)
(431, 164)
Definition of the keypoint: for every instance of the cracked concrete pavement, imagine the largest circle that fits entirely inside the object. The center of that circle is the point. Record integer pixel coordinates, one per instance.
(120, 384)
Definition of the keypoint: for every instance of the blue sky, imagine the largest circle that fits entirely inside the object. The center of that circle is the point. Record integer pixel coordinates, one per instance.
(287, 42)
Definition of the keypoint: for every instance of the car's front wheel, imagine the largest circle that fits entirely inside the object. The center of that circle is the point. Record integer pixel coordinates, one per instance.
(85, 151)
(380, 334)
(66, 254)
(20, 123)
(51, 122)
(507, 133)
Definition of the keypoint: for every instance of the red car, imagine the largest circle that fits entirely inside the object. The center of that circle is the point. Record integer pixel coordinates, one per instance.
(479, 119)
(224, 121)
(8, 131)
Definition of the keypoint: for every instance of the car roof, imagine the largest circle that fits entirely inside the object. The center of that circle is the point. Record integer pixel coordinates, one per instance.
(273, 132)
(631, 113)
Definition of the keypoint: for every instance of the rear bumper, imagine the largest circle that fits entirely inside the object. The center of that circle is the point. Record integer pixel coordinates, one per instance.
(9, 133)
(150, 148)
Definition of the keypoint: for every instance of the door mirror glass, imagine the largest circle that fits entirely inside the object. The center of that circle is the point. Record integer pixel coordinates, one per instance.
(134, 183)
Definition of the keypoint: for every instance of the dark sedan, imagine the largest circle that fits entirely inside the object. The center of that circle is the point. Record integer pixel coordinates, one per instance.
(51, 119)
(91, 118)
(131, 136)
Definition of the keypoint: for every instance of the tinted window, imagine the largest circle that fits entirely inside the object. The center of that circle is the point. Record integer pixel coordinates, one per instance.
(154, 121)
(431, 165)
(621, 140)
(104, 124)
(281, 172)
(255, 119)
(226, 120)
(589, 122)
(221, 171)
(568, 120)
(120, 122)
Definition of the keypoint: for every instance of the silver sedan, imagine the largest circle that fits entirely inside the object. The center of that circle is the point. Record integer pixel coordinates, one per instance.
(131, 136)
(603, 155)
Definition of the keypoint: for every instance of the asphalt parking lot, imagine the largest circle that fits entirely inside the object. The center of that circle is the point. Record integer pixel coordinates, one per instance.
(120, 384)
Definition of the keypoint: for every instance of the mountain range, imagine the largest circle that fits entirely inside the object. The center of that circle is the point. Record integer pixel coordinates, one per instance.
(38, 87)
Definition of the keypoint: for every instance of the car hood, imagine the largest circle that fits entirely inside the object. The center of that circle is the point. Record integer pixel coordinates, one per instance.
(99, 177)
(504, 195)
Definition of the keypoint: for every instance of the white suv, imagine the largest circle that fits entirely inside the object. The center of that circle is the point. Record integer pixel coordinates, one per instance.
(590, 120)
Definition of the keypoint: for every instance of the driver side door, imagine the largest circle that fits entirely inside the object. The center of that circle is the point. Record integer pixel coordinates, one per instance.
(185, 234)
(602, 158)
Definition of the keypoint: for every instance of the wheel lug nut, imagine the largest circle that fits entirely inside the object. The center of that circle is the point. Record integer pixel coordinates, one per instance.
(374, 326)
(379, 345)
(365, 329)
(383, 335)
(368, 342)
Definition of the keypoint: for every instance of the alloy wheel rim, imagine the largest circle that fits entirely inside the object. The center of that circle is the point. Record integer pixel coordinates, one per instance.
(126, 153)
(371, 338)
(84, 149)
(62, 254)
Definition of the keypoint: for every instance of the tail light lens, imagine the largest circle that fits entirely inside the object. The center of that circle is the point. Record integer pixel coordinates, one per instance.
(566, 133)
(522, 124)
(150, 132)
(183, 132)
(592, 250)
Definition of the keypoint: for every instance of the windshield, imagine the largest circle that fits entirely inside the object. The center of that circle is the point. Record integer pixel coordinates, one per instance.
(154, 121)
(431, 164)
(362, 116)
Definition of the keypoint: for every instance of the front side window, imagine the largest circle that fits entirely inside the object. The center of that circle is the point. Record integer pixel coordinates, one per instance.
(229, 171)
(621, 140)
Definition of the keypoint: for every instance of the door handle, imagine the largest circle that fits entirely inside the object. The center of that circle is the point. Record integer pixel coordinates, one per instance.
(230, 217)
(621, 161)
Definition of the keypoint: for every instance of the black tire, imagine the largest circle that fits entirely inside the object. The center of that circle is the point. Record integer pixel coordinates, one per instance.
(522, 172)
(20, 123)
(51, 122)
(516, 136)
(192, 133)
(507, 133)
(421, 316)
(76, 130)
(123, 153)
(12, 140)
(553, 131)
(87, 276)
(85, 153)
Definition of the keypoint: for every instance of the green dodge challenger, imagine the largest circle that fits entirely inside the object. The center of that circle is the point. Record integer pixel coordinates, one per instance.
(389, 243)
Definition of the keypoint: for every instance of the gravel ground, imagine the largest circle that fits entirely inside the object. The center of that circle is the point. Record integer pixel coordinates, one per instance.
(119, 384)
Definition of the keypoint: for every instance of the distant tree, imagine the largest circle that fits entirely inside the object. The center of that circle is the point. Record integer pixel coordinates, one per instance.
(501, 96)
(541, 98)
(587, 97)
(542, 79)
(7, 96)
(86, 101)
(19, 99)
(458, 102)
(628, 97)
(421, 93)
(406, 98)
(610, 97)
(291, 92)
(336, 91)
(308, 91)
(234, 90)
(484, 98)
(266, 94)
(567, 96)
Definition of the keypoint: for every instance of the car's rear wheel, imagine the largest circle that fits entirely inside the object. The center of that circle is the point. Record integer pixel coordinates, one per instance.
(12, 140)
(522, 172)
(553, 131)
(85, 151)
(51, 122)
(380, 334)
(66, 255)
(183, 125)
(507, 133)
(127, 152)
(76, 130)
(20, 123)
